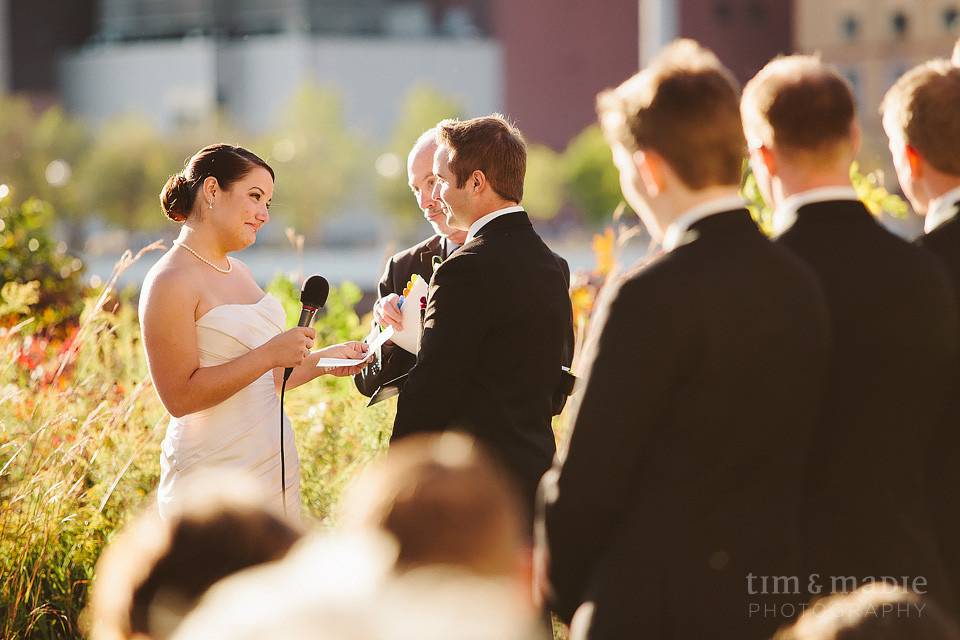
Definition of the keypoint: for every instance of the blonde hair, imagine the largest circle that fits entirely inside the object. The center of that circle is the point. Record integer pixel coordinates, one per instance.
(684, 106)
(922, 106)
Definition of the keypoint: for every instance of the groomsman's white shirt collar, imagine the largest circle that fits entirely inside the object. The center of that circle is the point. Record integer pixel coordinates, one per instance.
(786, 213)
(677, 230)
(481, 222)
(941, 210)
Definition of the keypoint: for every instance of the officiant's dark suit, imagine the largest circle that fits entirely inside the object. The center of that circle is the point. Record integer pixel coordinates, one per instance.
(893, 322)
(394, 361)
(497, 330)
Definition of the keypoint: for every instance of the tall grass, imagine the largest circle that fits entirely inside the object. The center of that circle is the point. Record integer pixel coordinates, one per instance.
(79, 447)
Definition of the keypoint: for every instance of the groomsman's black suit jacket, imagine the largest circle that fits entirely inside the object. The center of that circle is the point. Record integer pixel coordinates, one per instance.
(684, 468)
(943, 473)
(894, 328)
(394, 361)
(497, 330)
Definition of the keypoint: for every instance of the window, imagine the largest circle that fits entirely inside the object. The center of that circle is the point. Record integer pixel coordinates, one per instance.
(951, 16)
(722, 11)
(900, 23)
(850, 27)
(757, 13)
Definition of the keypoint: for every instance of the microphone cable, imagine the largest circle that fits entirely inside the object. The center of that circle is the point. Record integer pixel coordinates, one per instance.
(283, 462)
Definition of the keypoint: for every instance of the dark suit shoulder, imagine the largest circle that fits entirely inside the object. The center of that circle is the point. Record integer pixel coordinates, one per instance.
(431, 245)
(945, 239)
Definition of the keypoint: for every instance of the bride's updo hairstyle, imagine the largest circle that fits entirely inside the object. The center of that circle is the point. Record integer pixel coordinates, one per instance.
(224, 162)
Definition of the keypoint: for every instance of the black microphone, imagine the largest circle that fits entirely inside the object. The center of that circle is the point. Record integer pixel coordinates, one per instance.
(313, 295)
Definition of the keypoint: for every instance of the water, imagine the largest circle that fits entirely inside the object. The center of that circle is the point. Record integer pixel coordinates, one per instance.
(361, 265)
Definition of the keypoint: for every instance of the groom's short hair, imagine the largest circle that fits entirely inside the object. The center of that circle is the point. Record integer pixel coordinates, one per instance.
(445, 502)
(684, 106)
(490, 144)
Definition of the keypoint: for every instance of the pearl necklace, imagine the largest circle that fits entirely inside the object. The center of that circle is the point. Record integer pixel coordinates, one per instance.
(204, 260)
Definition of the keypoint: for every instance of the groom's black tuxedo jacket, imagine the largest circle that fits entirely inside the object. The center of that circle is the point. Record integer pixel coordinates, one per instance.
(894, 326)
(684, 467)
(943, 472)
(394, 361)
(498, 328)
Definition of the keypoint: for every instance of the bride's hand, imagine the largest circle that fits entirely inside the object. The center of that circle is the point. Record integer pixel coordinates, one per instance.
(290, 348)
(349, 350)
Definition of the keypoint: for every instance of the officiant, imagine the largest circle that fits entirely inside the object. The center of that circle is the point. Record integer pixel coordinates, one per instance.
(393, 361)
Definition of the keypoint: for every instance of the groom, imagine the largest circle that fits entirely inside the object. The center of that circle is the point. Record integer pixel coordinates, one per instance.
(498, 323)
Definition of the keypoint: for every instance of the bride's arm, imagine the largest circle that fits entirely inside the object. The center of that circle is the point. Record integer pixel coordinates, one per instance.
(309, 369)
(167, 308)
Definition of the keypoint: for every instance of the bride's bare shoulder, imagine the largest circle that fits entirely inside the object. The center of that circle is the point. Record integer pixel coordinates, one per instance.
(170, 280)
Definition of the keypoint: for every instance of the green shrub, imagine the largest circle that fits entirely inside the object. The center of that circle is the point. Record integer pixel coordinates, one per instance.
(29, 255)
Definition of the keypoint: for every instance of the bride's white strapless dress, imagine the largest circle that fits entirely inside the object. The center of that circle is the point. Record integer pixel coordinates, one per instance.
(243, 431)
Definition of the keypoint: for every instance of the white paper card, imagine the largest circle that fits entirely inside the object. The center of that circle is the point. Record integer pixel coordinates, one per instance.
(385, 335)
(409, 336)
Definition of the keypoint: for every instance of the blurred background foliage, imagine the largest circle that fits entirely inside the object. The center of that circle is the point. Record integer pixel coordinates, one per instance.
(109, 176)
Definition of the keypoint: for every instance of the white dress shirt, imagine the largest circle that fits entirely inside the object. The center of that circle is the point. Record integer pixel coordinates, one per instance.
(479, 223)
(786, 213)
(677, 230)
(941, 210)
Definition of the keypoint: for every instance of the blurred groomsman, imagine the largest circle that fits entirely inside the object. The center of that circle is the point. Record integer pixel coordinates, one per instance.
(920, 115)
(703, 376)
(893, 323)
(393, 361)
(498, 326)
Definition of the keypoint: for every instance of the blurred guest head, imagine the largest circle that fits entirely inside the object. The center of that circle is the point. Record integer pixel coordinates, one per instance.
(326, 588)
(875, 612)
(479, 166)
(224, 189)
(799, 120)
(674, 129)
(421, 180)
(154, 572)
(920, 118)
(445, 502)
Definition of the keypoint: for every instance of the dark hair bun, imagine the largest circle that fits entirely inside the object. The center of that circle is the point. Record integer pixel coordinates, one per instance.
(175, 198)
(223, 162)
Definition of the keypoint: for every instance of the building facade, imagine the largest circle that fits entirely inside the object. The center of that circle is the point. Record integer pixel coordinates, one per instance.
(874, 42)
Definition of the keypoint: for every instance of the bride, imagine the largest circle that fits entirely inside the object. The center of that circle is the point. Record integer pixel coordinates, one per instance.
(215, 342)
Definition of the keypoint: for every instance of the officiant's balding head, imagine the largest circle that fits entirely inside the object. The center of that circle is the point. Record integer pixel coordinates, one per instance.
(421, 181)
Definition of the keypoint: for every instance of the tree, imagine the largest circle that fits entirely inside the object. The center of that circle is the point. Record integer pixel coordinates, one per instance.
(543, 190)
(121, 176)
(592, 180)
(318, 161)
(422, 108)
(41, 154)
